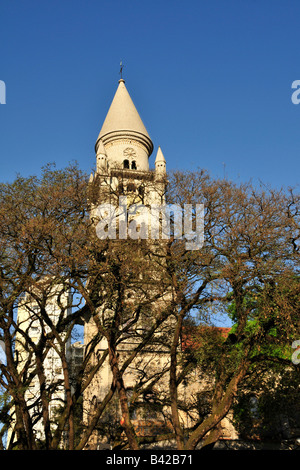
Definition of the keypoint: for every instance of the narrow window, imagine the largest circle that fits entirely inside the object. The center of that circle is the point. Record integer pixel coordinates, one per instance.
(130, 187)
(126, 164)
(133, 165)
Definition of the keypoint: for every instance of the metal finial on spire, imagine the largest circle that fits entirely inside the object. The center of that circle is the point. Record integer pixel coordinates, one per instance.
(121, 69)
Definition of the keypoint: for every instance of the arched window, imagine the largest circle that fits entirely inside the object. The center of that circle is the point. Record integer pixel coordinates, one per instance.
(130, 187)
(126, 164)
(133, 165)
(141, 191)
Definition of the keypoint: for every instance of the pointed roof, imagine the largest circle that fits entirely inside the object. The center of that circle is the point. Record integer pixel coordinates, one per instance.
(101, 148)
(123, 118)
(160, 156)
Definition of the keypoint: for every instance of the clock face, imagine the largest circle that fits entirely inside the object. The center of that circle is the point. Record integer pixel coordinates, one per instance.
(129, 152)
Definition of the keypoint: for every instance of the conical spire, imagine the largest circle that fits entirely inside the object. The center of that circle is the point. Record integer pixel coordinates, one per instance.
(101, 148)
(101, 157)
(159, 156)
(123, 121)
(160, 163)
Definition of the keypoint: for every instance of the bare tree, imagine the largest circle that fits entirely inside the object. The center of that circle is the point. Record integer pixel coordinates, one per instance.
(148, 307)
(251, 243)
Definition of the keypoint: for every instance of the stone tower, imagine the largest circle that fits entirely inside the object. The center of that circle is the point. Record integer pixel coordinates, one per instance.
(123, 149)
(123, 137)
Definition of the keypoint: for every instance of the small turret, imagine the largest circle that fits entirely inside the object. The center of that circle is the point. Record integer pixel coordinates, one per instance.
(101, 158)
(160, 164)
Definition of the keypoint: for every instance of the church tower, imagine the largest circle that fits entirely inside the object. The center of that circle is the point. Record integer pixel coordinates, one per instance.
(123, 149)
(123, 135)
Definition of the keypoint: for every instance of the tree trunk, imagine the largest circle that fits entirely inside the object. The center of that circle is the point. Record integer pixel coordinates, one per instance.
(118, 381)
(219, 410)
(179, 436)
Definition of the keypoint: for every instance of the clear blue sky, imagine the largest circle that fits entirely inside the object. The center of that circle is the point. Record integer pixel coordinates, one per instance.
(210, 78)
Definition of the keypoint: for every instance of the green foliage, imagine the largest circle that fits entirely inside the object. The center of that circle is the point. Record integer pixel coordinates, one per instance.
(268, 406)
(249, 304)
